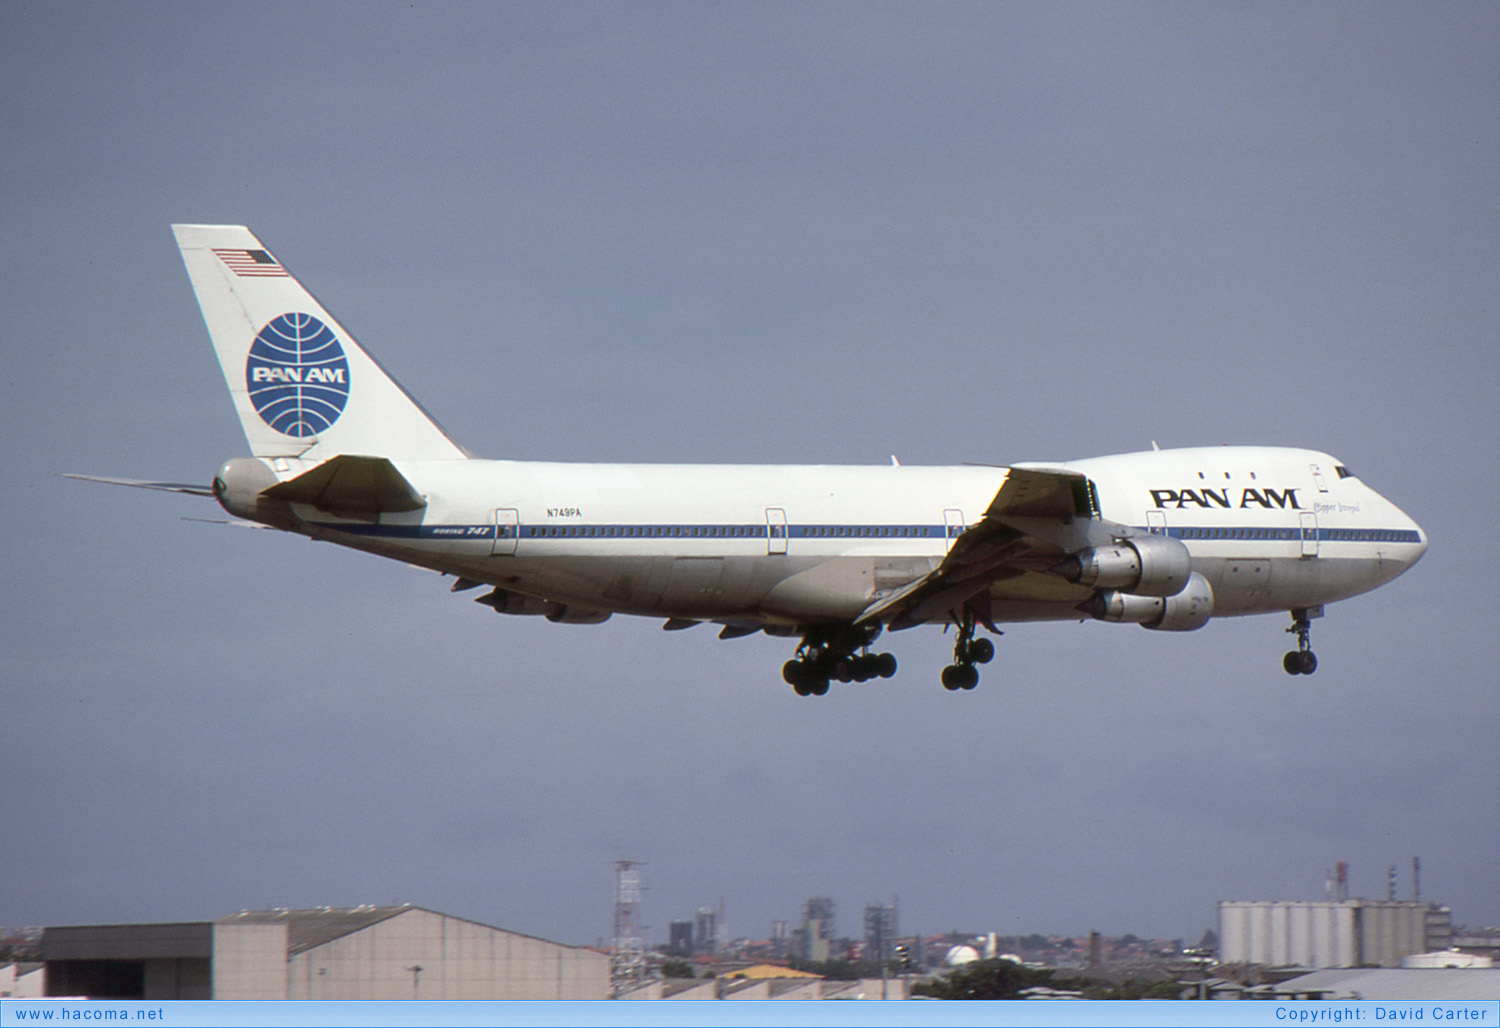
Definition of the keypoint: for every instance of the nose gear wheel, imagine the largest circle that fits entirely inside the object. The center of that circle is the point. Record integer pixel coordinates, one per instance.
(1302, 660)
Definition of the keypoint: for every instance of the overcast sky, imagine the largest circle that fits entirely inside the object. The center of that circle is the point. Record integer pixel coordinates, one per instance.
(744, 232)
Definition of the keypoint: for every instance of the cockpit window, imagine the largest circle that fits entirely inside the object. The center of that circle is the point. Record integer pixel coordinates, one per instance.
(1343, 471)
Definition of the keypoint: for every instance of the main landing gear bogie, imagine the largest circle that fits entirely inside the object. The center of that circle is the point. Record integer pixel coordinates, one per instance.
(1302, 660)
(824, 656)
(967, 652)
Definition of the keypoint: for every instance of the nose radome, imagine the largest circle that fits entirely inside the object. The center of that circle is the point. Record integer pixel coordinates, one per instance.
(1415, 550)
(1422, 544)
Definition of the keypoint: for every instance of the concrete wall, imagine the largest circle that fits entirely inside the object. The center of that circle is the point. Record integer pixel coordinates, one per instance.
(250, 961)
(22, 981)
(459, 960)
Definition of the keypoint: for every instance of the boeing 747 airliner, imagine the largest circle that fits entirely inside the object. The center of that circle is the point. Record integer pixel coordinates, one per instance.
(832, 556)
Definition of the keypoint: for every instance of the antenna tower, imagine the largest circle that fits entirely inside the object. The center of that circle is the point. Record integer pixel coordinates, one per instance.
(627, 959)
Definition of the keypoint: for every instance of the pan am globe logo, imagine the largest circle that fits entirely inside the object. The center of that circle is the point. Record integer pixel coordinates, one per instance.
(298, 376)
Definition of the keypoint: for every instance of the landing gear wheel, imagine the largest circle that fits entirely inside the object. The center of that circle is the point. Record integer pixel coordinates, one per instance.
(805, 677)
(980, 651)
(967, 651)
(885, 665)
(1301, 661)
(960, 676)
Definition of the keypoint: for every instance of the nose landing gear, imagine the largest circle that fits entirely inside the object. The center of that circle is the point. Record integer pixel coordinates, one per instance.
(1302, 660)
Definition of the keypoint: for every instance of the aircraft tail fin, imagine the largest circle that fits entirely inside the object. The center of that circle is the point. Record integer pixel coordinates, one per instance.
(301, 385)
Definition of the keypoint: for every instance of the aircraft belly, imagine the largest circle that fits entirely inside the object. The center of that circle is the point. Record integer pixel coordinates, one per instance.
(1317, 580)
(704, 587)
(1240, 585)
(840, 588)
(1254, 585)
(1007, 611)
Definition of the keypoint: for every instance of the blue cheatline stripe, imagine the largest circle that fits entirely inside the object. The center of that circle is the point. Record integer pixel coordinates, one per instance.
(584, 531)
(762, 531)
(1327, 535)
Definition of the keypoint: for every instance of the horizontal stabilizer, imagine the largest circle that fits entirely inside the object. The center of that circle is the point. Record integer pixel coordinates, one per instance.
(351, 487)
(166, 487)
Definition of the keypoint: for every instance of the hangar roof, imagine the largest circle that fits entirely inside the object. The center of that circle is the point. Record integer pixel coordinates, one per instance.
(1392, 983)
(307, 929)
(769, 971)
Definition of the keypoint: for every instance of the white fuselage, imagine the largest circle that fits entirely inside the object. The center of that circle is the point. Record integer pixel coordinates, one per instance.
(782, 546)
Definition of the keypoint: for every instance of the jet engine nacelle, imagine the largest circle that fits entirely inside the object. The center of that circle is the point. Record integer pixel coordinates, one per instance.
(1145, 565)
(1189, 609)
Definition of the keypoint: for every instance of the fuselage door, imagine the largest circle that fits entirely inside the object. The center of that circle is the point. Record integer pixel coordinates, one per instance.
(775, 531)
(953, 520)
(507, 532)
(1156, 522)
(1309, 534)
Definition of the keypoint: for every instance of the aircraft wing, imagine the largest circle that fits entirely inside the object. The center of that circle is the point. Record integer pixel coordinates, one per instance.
(1005, 543)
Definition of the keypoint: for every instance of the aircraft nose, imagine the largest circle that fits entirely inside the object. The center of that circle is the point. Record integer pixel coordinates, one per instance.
(1412, 551)
(1421, 542)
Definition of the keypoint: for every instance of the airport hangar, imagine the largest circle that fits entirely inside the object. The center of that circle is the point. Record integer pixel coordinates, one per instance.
(359, 953)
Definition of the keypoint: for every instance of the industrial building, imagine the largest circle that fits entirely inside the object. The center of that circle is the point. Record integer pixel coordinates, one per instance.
(359, 953)
(1330, 933)
(21, 981)
(1451, 984)
(880, 932)
(769, 981)
(813, 941)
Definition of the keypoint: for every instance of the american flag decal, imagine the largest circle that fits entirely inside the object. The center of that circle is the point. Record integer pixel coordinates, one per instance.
(251, 263)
